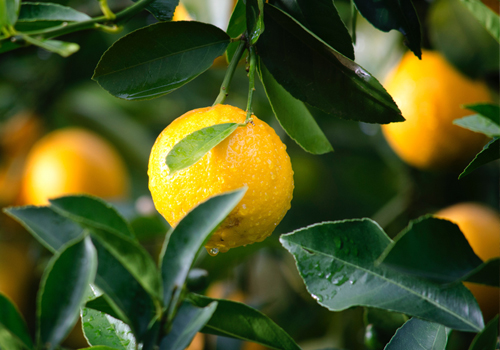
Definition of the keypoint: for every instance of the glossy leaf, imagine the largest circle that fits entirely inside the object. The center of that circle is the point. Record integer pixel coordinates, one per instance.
(93, 212)
(13, 329)
(339, 86)
(52, 230)
(238, 21)
(488, 110)
(9, 11)
(294, 117)
(488, 338)
(478, 123)
(321, 18)
(489, 153)
(34, 16)
(63, 291)
(158, 59)
(163, 10)
(337, 262)
(184, 242)
(103, 304)
(419, 335)
(237, 320)
(489, 19)
(254, 19)
(488, 273)
(194, 146)
(62, 48)
(386, 15)
(188, 321)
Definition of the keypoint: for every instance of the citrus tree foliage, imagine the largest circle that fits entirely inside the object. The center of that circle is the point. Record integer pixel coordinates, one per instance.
(303, 54)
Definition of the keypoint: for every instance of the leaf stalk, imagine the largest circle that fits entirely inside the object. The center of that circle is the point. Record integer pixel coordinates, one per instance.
(251, 81)
(229, 73)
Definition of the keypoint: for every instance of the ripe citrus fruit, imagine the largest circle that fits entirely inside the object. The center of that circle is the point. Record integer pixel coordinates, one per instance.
(481, 226)
(252, 155)
(181, 14)
(429, 93)
(71, 161)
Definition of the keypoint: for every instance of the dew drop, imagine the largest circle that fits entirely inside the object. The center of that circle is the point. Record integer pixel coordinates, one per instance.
(213, 251)
(319, 298)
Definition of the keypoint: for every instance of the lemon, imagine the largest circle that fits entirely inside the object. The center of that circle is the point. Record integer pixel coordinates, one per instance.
(251, 156)
(481, 227)
(181, 14)
(430, 93)
(72, 161)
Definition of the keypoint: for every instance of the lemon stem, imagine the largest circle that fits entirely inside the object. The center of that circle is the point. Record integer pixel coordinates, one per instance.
(229, 74)
(251, 81)
(106, 11)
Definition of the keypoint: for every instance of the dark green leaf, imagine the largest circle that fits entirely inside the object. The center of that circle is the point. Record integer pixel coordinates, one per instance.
(9, 11)
(63, 291)
(238, 21)
(9, 45)
(337, 262)
(383, 319)
(194, 146)
(93, 212)
(478, 123)
(388, 14)
(418, 250)
(13, 329)
(488, 338)
(419, 335)
(237, 320)
(34, 16)
(62, 48)
(488, 273)
(148, 228)
(182, 245)
(100, 347)
(163, 10)
(103, 304)
(254, 19)
(488, 110)
(51, 229)
(489, 153)
(188, 321)
(354, 19)
(321, 18)
(339, 86)
(489, 19)
(294, 116)
(158, 59)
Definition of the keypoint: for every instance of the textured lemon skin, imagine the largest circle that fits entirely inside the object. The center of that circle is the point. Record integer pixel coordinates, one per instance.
(73, 161)
(429, 93)
(251, 156)
(481, 226)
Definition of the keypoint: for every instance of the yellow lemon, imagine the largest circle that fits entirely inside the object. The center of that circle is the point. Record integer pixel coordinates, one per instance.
(181, 14)
(430, 93)
(251, 156)
(481, 226)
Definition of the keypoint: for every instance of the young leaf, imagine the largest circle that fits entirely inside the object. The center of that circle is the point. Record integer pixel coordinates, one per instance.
(321, 18)
(33, 16)
(62, 48)
(158, 59)
(183, 243)
(13, 329)
(417, 335)
(92, 211)
(488, 338)
(254, 19)
(63, 291)
(238, 21)
(163, 10)
(488, 110)
(293, 116)
(337, 263)
(188, 321)
(488, 19)
(479, 123)
(386, 15)
(489, 153)
(9, 11)
(52, 230)
(194, 146)
(237, 320)
(340, 87)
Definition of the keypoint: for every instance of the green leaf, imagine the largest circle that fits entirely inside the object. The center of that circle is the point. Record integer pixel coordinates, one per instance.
(9, 11)
(159, 58)
(487, 273)
(34, 16)
(478, 123)
(133, 257)
(237, 320)
(418, 335)
(254, 19)
(321, 18)
(163, 10)
(188, 321)
(488, 19)
(8, 45)
(488, 338)
(13, 329)
(337, 262)
(62, 48)
(99, 347)
(52, 230)
(63, 291)
(489, 153)
(194, 146)
(93, 212)
(238, 21)
(294, 117)
(386, 15)
(102, 329)
(488, 110)
(383, 319)
(184, 242)
(340, 87)
(103, 304)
